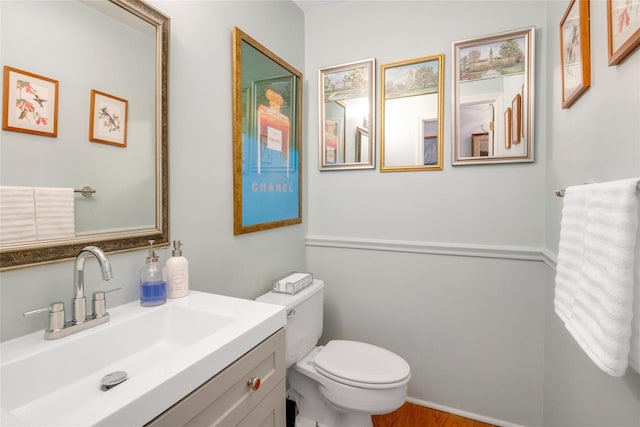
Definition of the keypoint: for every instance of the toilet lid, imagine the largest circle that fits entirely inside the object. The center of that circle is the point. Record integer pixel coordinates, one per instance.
(361, 364)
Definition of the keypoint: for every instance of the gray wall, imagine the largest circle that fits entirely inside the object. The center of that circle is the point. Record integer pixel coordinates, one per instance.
(471, 327)
(454, 270)
(595, 140)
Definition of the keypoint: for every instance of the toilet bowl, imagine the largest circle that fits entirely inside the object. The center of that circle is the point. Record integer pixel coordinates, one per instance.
(356, 380)
(342, 383)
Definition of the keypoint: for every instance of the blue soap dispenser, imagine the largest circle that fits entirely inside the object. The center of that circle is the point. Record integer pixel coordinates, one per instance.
(153, 289)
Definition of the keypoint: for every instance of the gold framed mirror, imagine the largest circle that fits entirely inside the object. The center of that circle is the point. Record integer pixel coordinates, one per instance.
(347, 137)
(128, 43)
(493, 98)
(411, 111)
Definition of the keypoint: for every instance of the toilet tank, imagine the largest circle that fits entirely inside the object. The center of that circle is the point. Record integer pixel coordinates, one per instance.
(304, 318)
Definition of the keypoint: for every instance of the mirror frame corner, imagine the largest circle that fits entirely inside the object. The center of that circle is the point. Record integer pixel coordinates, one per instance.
(18, 255)
(526, 100)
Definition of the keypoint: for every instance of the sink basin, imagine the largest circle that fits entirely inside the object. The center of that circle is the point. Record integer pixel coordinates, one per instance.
(167, 351)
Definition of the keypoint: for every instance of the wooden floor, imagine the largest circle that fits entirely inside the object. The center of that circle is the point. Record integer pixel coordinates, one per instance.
(411, 415)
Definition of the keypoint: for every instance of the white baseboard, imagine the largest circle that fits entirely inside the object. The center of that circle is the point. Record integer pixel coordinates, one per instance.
(461, 413)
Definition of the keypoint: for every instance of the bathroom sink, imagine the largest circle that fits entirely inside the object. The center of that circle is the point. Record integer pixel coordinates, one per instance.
(166, 351)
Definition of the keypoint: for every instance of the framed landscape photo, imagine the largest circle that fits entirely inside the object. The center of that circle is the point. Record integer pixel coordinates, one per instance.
(30, 103)
(575, 51)
(623, 29)
(108, 119)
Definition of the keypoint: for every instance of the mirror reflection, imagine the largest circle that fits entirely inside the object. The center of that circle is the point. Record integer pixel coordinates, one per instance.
(411, 110)
(346, 116)
(123, 53)
(493, 98)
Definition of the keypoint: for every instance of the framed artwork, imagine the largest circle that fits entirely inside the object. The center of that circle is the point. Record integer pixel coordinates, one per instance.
(267, 111)
(493, 73)
(575, 55)
(516, 119)
(623, 29)
(480, 144)
(347, 114)
(265, 91)
(30, 103)
(412, 93)
(108, 119)
(507, 128)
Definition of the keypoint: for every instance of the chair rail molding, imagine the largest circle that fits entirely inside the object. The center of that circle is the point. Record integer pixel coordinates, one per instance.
(524, 253)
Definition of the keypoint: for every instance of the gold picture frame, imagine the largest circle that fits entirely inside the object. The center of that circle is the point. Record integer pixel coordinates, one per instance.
(575, 51)
(508, 136)
(267, 135)
(411, 114)
(30, 103)
(516, 119)
(623, 29)
(108, 119)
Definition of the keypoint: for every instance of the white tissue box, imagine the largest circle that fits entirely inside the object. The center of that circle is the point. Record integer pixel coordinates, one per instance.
(292, 283)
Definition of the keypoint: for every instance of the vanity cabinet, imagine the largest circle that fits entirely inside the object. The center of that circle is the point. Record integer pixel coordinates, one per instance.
(228, 398)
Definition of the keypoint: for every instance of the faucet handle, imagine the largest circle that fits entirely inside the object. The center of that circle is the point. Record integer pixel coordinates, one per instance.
(100, 303)
(56, 315)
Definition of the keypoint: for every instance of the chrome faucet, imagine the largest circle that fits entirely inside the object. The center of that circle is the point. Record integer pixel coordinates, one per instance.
(79, 301)
(58, 328)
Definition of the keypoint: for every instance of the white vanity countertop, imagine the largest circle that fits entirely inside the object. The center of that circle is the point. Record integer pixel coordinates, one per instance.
(167, 352)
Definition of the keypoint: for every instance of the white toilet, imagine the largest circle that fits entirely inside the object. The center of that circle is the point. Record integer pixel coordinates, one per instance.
(342, 383)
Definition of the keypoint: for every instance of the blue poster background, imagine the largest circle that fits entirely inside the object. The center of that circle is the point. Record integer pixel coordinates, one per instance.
(270, 192)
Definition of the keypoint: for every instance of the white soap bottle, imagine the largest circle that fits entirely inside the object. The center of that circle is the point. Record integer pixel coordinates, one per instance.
(177, 273)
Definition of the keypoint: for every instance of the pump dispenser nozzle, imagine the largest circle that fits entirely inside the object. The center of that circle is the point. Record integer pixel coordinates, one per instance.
(153, 289)
(177, 248)
(153, 255)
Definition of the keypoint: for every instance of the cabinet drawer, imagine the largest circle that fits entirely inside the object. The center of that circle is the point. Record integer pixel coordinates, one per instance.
(226, 399)
(270, 412)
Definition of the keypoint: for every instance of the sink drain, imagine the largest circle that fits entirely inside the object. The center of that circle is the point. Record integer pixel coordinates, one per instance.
(113, 379)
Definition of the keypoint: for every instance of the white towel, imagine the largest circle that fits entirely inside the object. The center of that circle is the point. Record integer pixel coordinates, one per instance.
(634, 351)
(595, 270)
(55, 213)
(17, 215)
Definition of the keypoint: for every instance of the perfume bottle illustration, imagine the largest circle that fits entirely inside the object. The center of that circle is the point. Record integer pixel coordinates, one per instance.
(273, 134)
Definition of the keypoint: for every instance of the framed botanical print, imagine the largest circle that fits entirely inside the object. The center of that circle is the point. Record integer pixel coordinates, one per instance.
(623, 29)
(575, 51)
(30, 103)
(108, 119)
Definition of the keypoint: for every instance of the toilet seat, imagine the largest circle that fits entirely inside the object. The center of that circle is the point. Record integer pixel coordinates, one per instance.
(361, 365)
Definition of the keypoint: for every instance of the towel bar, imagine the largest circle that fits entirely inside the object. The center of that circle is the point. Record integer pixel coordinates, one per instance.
(560, 193)
(86, 191)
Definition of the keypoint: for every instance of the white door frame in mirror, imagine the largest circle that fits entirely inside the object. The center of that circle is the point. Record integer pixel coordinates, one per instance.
(411, 93)
(349, 88)
(503, 81)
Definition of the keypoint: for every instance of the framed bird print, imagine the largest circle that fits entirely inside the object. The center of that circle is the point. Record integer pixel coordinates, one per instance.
(30, 103)
(108, 119)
